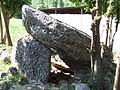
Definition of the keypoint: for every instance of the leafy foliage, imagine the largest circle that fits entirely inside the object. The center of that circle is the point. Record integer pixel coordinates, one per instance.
(115, 9)
(9, 9)
(89, 4)
(13, 7)
(51, 3)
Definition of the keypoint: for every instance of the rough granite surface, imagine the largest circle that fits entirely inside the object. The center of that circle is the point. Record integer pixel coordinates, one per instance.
(33, 59)
(72, 44)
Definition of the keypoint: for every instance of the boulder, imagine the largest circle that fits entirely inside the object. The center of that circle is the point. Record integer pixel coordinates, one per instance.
(72, 44)
(33, 59)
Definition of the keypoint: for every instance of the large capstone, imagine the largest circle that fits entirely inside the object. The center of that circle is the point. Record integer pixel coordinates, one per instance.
(72, 44)
(33, 59)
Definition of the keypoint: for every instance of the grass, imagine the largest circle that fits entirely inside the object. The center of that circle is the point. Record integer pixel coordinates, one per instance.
(17, 29)
(4, 67)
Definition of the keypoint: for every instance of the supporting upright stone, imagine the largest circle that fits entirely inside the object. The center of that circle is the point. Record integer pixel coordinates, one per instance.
(33, 59)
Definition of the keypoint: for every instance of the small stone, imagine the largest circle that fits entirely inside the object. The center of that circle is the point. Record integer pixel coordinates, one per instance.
(4, 56)
(4, 74)
(23, 81)
(63, 85)
(13, 70)
(81, 86)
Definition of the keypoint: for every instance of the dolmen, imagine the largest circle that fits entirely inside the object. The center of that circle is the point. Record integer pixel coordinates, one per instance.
(71, 44)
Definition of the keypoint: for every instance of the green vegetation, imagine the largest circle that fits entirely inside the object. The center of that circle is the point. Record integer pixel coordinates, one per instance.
(4, 66)
(17, 29)
(5, 60)
(9, 9)
(13, 80)
(51, 3)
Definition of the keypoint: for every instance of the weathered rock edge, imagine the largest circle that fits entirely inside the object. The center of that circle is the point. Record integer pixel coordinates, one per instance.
(67, 40)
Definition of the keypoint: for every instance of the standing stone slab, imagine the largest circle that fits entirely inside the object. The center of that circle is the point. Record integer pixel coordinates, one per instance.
(33, 59)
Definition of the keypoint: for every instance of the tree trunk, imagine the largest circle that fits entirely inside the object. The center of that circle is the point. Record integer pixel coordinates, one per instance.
(61, 3)
(6, 20)
(117, 77)
(56, 3)
(47, 3)
(1, 29)
(4, 39)
(107, 31)
(96, 60)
